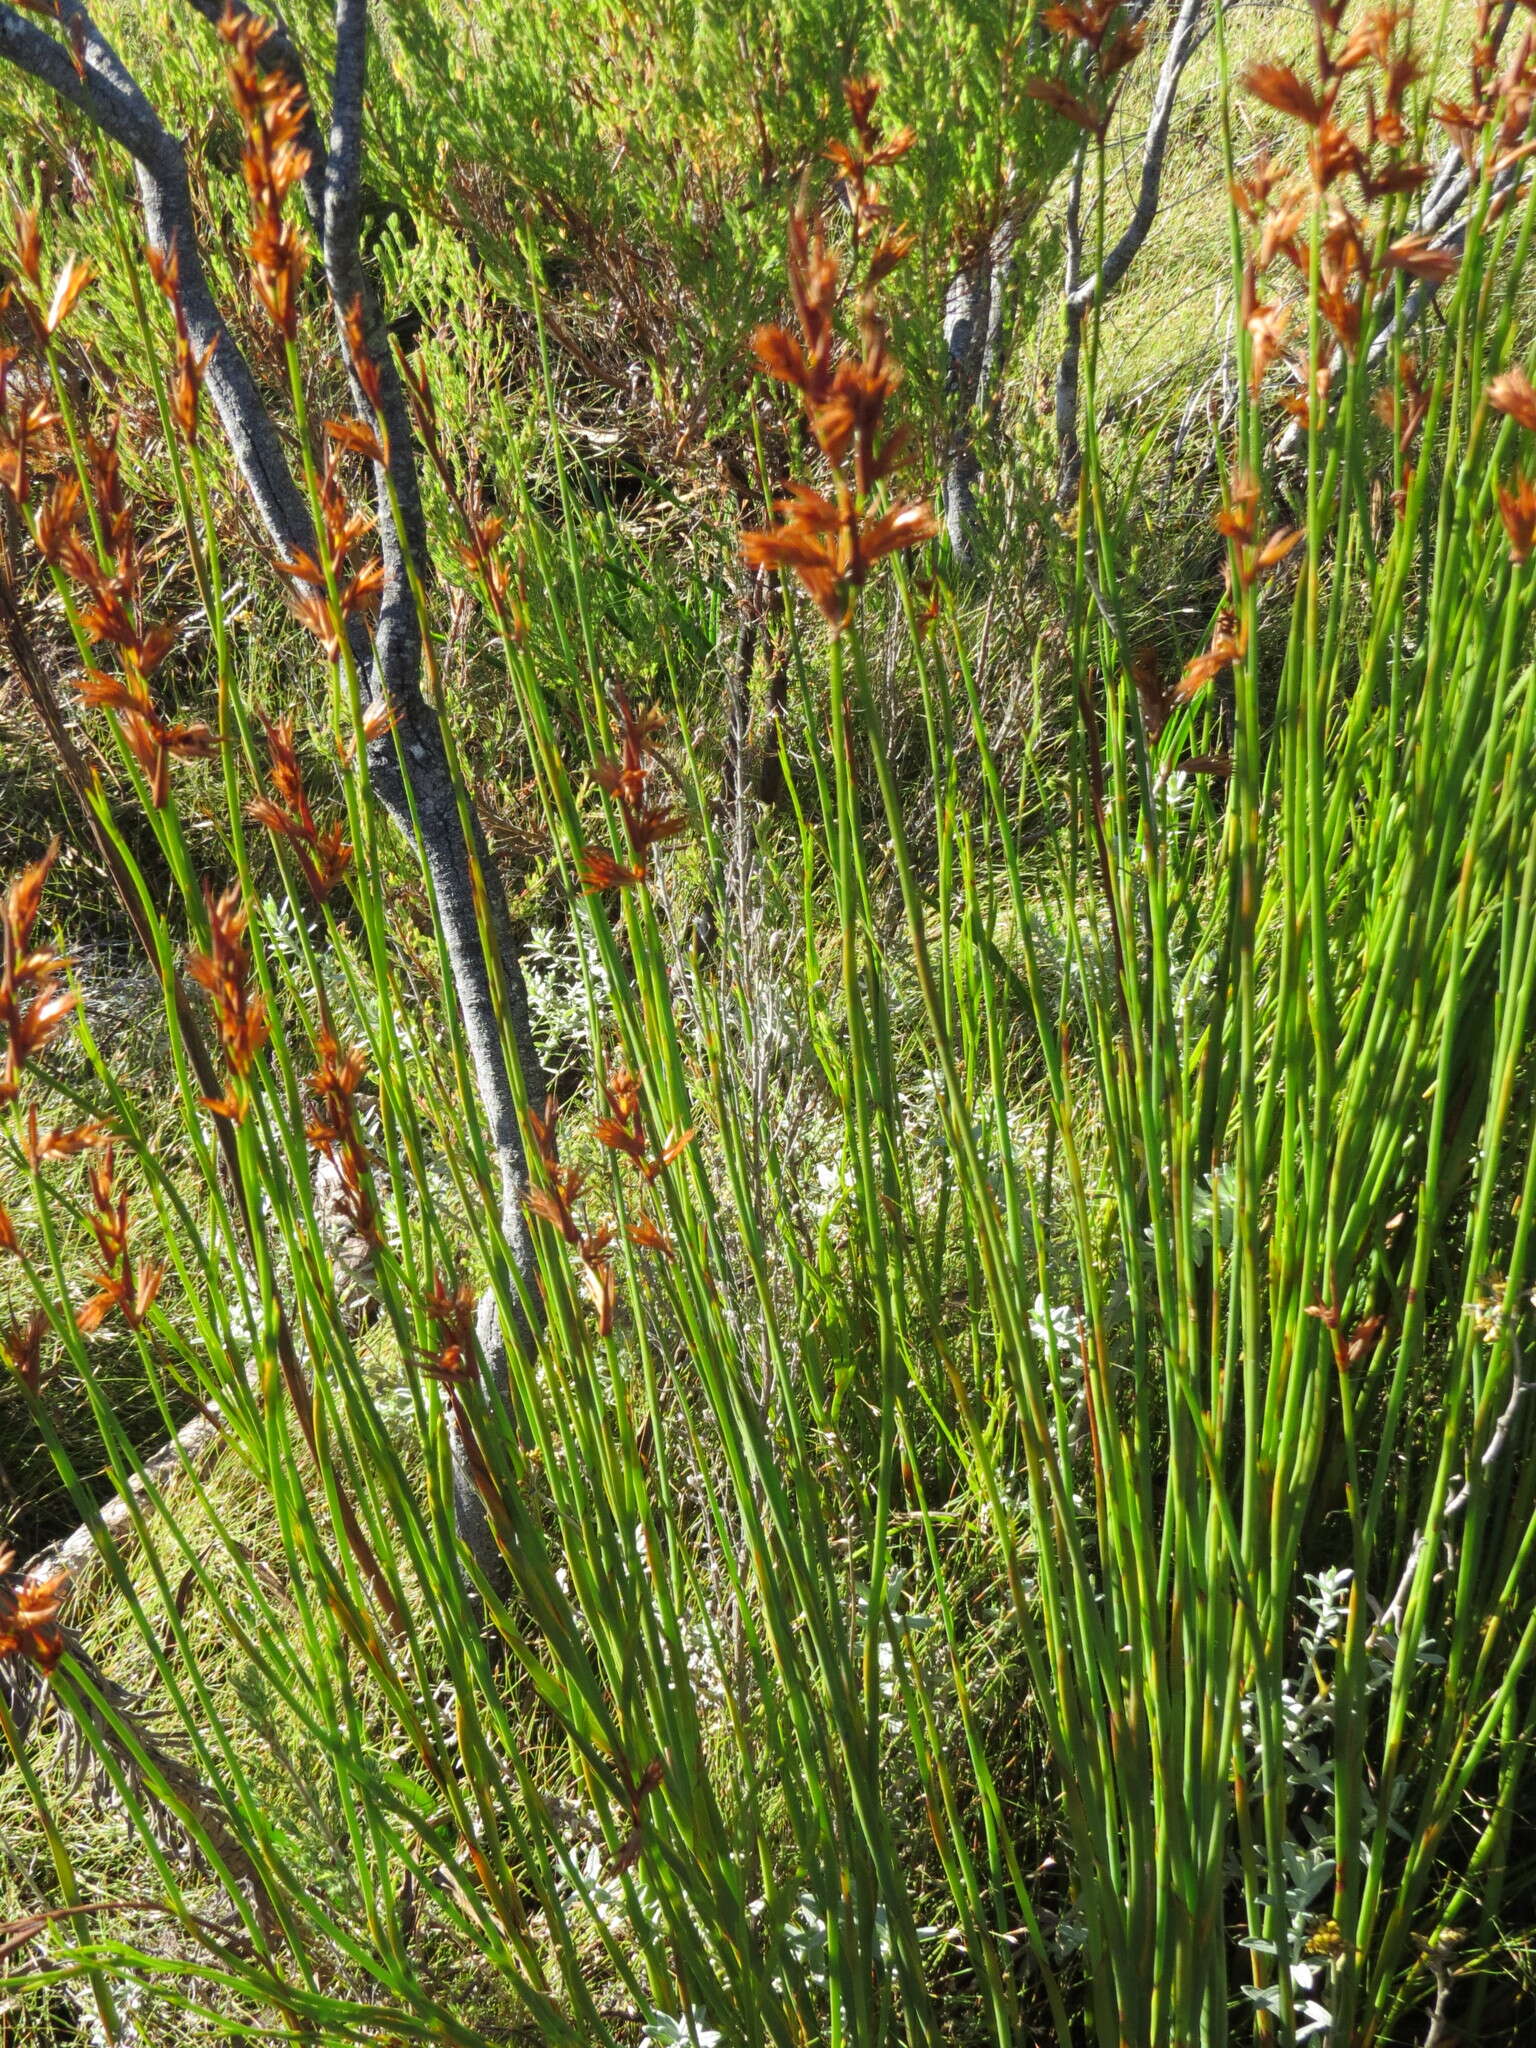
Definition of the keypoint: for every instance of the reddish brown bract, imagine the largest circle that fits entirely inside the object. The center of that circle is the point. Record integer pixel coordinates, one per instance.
(830, 542)
(121, 1286)
(34, 1001)
(628, 781)
(272, 112)
(29, 1611)
(333, 1131)
(187, 384)
(225, 972)
(453, 1359)
(323, 856)
(1511, 392)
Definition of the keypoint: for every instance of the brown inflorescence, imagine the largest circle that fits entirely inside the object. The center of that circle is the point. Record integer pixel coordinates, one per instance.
(22, 1348)
(272, 111)
(555, 1203)
(1100, 27)
(1378, 153)
(622, 1131)
(628, 780)
(453, 1359)
(123, 1287)
(323, 854)
(34, 1000)
(29, 1614)
(109, 607)
(334, 1132)
(191, 368)
(343, 526)
(1512, 394)
(831, 542)
(240, 1012)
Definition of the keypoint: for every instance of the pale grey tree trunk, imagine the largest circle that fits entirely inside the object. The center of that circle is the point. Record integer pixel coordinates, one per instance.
(966, 309)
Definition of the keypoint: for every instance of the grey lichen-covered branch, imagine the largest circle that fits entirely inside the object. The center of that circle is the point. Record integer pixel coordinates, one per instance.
(409, 767)
(1082, 293)
(460, 870)
(975, 342)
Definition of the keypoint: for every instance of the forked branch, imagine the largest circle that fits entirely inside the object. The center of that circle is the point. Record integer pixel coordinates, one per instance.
(1081, 293)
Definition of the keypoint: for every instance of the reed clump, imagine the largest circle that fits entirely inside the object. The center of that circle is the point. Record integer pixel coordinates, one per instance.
(964, 1476)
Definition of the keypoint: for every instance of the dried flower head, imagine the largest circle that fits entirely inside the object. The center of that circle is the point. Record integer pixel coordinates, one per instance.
(1517, 509)
(122, 1287)
(629, 780)
(364, 368)
(153, 741)
(622, 1130)
(334, 1131)
(72, 279)
(22, 1349)
(1229, 643)
(63, 1141)
(1088, 114)
(870, 151)
(191, 367)
(323, 855)
(110, 611)
(21, 434)
(225, 972)
(453, 1358)
(1512, 392)
(832, 541)
(273, 112)
(34, 1000)
(29, 1614)
(1238, 521)
(343, 525)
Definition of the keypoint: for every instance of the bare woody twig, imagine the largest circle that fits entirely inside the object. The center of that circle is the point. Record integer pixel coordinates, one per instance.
(1082, 294)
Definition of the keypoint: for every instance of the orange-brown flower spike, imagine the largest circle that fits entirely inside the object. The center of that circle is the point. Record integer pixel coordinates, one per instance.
(647, 1236)
(1228, 644)
(29, 246)
(453, 1358)
(1517, 509)
(63, 1141)
(1085, 114)
(323, 855)
(29, 1614)
(272, 111)
(830, 540)
(628, 780)
(191, 368)
(22, 1349)
(622, 1130)
(225, 972)
(1512, 392)
(110, 612)
(122, 1287)
(1279, 87)
(334, 1131)
(34, 1001)
(364, 367)
(601, 872)
(597, 1277)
